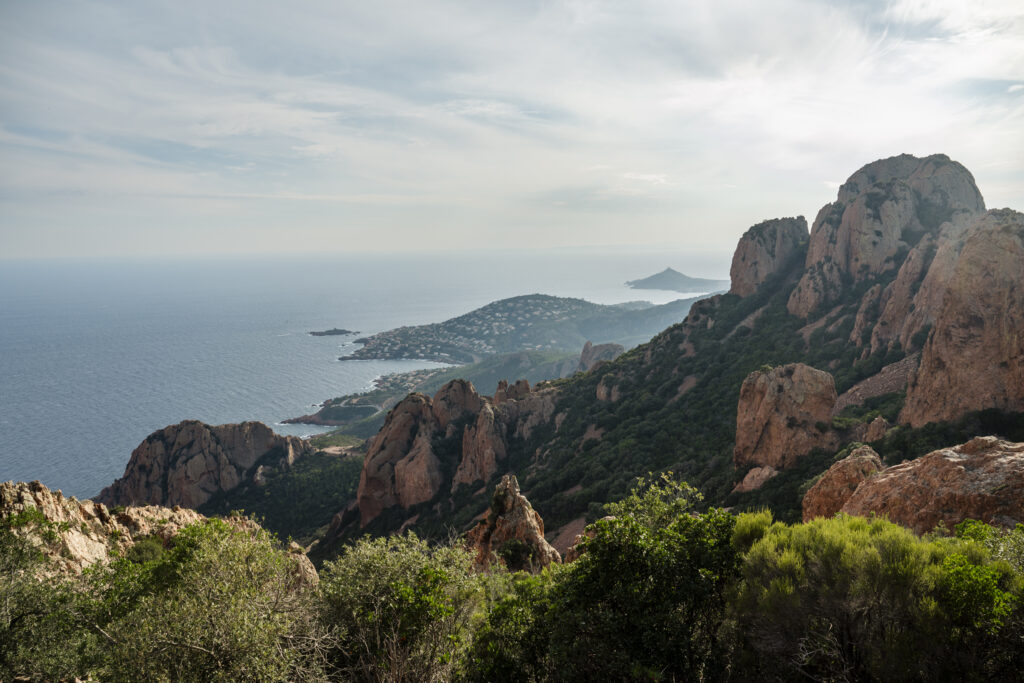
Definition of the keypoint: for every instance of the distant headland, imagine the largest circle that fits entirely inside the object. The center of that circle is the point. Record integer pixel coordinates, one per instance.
(674, 281)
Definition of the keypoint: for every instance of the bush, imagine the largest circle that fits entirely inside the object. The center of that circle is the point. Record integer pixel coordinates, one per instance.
(398, 609)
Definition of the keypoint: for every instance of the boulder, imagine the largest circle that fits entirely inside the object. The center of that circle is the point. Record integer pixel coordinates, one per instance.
(755, 479)
(778, 415)
(830, 493)
(188, 463)
(765, 249)
(974, 357)
(982, 479)
(512, 533)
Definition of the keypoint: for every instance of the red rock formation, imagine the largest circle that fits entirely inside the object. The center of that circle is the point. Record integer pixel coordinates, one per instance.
(483, 449)
(764, 250)
(777, 415)
(187, 463)
(453, 401)
(884, 208)
(409, 425)
(835, 487)
(974, 357)
(981, 479)
(512, 533)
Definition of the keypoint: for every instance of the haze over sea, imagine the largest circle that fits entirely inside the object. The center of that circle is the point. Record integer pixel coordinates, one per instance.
(96, 355)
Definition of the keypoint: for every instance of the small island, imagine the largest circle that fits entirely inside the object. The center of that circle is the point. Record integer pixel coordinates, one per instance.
(674, 281)
(333, 332)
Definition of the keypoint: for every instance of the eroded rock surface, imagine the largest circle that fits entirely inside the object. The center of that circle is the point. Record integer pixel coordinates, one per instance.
(765, 249)
(974, 357)
(881, 212)
(835, 487)
(187, 463)
(778, 413)
(402, 469)
(982, 479)
(512, 533)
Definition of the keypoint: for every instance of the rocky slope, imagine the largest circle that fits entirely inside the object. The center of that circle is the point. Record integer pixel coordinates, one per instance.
(982, 479)
(187, 463)
(512, 532)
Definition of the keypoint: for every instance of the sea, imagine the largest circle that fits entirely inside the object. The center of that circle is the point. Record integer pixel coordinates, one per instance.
(97, 354)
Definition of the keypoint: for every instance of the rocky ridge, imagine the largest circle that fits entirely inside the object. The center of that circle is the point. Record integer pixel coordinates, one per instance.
(512, 532)
(187, 463)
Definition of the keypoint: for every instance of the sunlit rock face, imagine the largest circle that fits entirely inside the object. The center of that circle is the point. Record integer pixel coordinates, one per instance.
(881, 213)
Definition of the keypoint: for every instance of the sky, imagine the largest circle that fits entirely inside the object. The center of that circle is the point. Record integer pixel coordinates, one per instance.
(183, 128)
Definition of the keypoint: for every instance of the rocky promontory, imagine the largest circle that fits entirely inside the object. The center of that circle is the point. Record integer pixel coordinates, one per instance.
(187, 463)
(766, 249)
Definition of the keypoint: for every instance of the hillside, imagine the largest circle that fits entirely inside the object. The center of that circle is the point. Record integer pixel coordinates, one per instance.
(853, 300)
(534, 322)
(674, 281)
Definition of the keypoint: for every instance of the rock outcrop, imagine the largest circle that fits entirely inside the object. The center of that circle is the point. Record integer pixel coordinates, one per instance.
(512, 533)
(778, 413)
(765, 249)
(594, 354)
(982, 479)
(755, 479)
(402, 448)
(974, 357)
(830, 493)
(881, 212)
(402, 469)
(188, 463)
(85, 532)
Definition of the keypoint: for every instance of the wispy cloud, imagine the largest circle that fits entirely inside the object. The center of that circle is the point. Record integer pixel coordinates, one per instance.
(501, 121)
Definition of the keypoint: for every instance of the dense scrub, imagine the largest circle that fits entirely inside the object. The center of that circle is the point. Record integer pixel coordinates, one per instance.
(660, 592)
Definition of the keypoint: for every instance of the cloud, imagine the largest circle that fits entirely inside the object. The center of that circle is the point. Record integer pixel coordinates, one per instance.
(503, 118)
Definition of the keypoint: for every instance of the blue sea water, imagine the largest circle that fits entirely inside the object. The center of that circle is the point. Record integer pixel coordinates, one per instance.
(96, 355)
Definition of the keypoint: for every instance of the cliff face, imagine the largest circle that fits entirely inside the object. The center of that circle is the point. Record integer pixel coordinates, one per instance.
(974, 358)
(512, 532)
(187, 463)
(883, 210)
(981, 479)
(401, 468)
(766, 249)
(777, 413)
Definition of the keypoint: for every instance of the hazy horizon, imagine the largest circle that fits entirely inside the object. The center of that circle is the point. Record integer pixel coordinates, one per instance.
(131, 129)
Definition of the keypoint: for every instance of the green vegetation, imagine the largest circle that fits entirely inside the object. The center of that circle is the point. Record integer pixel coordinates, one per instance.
(297, 502)
(660, 593)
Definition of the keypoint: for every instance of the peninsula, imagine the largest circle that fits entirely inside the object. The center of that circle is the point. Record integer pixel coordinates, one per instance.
(674, 281)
